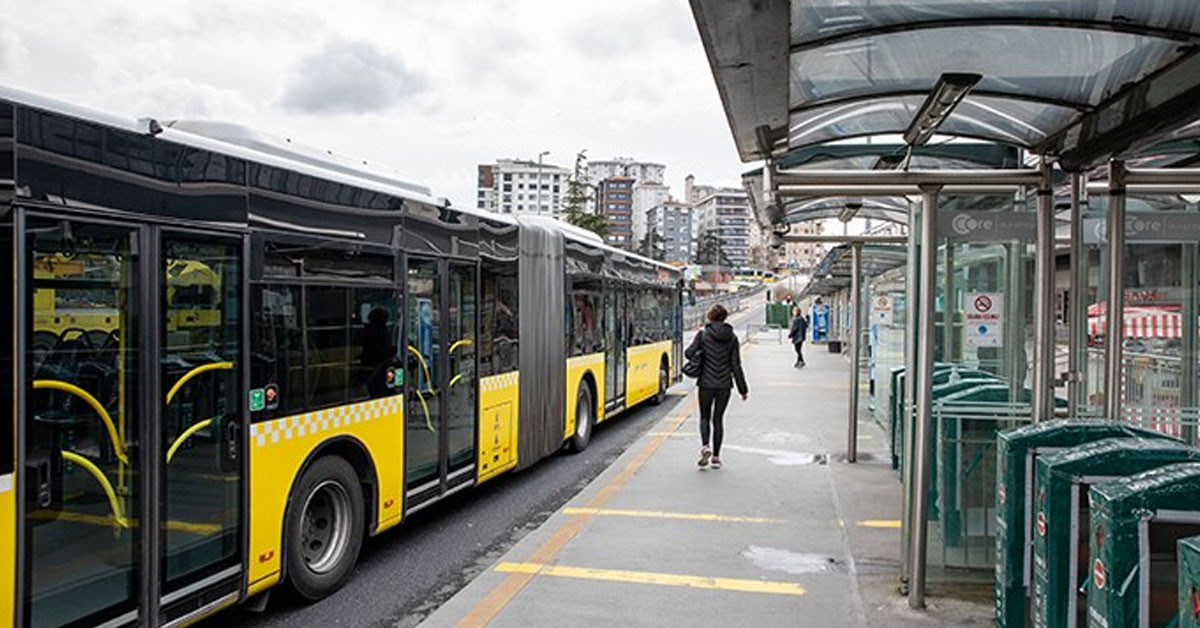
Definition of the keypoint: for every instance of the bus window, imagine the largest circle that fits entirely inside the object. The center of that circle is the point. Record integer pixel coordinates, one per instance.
(498, 324)
(327, 346)
(278, 357)
(374, 327)
(586, 335)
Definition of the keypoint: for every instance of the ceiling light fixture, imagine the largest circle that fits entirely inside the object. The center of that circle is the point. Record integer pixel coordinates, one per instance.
(950, 89)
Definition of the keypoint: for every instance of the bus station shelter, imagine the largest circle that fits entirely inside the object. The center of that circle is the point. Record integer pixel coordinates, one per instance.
(1005, 139)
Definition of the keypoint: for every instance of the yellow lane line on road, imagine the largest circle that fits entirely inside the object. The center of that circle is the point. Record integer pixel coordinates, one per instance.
(647, 577)
(659, 514)
(891, 524)
(495, 601)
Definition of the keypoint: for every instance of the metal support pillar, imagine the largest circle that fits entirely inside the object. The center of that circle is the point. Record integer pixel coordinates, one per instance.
(1077, 305)
(924, 399)
(911, 298)
(1043, 302)
(855, 351)
(1189, 396)
(1014, 320)
(949, 306)
(1114, 330)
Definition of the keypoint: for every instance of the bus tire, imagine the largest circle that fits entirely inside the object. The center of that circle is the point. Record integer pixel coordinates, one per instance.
(585, 418)
(663, 384)
(324, 528)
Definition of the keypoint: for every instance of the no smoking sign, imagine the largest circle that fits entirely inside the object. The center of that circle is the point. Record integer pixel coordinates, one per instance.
(983, 322)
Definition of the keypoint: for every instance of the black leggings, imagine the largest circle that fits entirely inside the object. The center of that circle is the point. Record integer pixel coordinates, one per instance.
(712, 408)
(799, 346)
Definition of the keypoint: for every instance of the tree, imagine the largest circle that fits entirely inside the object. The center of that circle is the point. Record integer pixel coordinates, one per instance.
(577, 196)
(710, 250)
(653, 245)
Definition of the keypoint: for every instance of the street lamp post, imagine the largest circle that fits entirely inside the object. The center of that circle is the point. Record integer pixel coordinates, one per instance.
(539, 180)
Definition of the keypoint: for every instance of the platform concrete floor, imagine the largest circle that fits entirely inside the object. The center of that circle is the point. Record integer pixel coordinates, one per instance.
(787, 534)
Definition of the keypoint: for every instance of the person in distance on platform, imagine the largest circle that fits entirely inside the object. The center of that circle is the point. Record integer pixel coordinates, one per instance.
(716, 348)
(796, 334)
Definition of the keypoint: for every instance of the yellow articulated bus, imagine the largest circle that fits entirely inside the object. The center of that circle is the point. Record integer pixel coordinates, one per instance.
(232, 359)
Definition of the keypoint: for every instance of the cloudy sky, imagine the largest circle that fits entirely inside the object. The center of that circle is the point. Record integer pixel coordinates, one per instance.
(430, 87)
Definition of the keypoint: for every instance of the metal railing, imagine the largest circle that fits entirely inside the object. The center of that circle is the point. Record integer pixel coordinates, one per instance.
(1151, 391)
(693, 313)
(963, 512)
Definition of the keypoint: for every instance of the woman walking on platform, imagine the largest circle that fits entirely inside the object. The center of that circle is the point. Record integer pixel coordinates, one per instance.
(796, 334)
(716, 349)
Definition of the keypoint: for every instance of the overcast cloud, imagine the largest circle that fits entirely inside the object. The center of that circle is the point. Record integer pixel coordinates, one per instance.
(432, 87)
(350, 76)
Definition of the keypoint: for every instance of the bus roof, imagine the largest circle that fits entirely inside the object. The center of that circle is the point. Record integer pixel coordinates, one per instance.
(246, 143)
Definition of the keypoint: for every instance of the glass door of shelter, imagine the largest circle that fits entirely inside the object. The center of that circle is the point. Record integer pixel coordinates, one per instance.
(980, 383)
(200, 443)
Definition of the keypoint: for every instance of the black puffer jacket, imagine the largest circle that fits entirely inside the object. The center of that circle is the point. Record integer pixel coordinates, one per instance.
(721, 357)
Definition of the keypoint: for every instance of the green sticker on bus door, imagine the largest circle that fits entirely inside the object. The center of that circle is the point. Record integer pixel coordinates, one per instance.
(258, 400)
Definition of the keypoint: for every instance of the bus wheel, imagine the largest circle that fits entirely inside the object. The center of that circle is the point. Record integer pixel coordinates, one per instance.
(585, 418)
(324, 528)
(663, 383)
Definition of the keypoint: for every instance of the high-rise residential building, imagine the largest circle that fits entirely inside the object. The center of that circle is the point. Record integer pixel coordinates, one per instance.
(517, 186)
(648, 187)
(803, 256)
(724, 212)
(672, 221)
(639, 171)
(614, 201)
(646, 195)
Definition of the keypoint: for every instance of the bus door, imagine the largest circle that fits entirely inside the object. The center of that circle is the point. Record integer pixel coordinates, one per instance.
(201, 288)
(440, 375)
(614, 322)
(131, 422)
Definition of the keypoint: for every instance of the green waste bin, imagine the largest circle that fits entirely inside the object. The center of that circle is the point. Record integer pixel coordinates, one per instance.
(1137, 523)
(1016, 451)
(1061, 518)
(1189, 582)
(779, 315)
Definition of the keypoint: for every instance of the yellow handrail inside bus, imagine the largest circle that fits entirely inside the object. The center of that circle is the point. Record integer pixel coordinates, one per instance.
(119, 519)
(424, 365)
(53, 384)
(203, 368)
(454, 380)
(465, 342)
(425, 407)
(186, 435)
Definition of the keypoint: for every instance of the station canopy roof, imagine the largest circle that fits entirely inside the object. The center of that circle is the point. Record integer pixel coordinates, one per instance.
(877, 155)
(835, 270)
(1078, 80)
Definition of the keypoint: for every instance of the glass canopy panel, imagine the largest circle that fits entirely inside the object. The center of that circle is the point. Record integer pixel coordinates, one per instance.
(1059, 65)
(1008, 121)
(816, 20)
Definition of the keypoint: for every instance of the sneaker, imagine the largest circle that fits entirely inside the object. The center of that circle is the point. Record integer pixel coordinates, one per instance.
(716, 462)
(705, 454)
